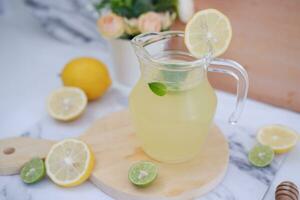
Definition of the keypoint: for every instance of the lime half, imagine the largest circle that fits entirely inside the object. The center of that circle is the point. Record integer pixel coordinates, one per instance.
(261, 156)
(142, 173)
(33, 171)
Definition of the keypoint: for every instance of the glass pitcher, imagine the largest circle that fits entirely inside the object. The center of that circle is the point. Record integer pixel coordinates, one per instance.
(172, 128)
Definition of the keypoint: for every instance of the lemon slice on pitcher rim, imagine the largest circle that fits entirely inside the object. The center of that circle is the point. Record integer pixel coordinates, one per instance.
(280, 138)
(69, 162)
(208, 32)
(66, 103)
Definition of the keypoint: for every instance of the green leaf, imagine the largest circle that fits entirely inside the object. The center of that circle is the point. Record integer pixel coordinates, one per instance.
(142, 6)
(134, 8)
(158, 88)
(128, 3)
(102, 4)
(122, 7)
(166, 5)
(122, 11)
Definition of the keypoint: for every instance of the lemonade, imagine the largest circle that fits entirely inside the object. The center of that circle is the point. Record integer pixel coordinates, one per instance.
(172, 106)
(172, 128)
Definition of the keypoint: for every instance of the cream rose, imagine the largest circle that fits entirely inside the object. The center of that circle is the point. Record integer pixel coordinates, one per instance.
(131, 26)
(167, 19)
(111, 25)
(150, 22)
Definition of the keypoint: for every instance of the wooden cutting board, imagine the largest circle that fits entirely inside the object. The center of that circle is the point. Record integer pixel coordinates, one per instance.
(116, 148)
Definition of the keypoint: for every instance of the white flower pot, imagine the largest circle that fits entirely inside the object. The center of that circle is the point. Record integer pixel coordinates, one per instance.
(125, 62)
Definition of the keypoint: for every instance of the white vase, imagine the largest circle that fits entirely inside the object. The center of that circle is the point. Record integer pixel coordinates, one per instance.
(186, 10)
(125, 62)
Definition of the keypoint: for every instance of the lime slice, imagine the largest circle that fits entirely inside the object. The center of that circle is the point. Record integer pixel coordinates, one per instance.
(33, 171)
(261, 155)
(209, 31)
(142, 173)
(280, 138)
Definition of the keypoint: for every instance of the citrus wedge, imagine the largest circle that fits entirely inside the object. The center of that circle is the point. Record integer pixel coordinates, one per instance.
(66, 103)
(280, 138)
(69, 162)
(208, 32)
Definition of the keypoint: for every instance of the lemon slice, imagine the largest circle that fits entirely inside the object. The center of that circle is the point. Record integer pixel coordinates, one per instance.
(66, 103)
(69, 162)
(280, 138)
(209, 31)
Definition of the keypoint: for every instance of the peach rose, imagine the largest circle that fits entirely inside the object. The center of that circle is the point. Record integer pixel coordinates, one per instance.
(150, 22)
(111, 25)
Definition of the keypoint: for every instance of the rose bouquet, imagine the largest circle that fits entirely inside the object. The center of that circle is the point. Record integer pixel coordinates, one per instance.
(127, 18)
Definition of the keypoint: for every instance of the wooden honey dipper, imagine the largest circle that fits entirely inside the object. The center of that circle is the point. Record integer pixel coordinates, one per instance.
(287, 190)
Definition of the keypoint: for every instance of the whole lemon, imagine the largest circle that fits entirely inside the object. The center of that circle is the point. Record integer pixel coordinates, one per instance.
(89, 74)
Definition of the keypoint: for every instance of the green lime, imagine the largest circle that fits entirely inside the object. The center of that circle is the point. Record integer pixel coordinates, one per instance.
(261, 155)
(33, 171)
(142, 173)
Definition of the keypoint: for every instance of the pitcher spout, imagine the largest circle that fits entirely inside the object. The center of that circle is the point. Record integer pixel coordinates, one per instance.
(140, 41)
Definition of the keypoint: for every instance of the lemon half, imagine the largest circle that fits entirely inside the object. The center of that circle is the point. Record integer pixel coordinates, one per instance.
(69, 162)
(280, 138)
(66, 103)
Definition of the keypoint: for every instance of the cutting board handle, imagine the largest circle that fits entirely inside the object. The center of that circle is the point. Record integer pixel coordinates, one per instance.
(15, 152)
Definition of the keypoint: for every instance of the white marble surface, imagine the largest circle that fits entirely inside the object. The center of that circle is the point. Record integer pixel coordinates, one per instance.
(30, 64)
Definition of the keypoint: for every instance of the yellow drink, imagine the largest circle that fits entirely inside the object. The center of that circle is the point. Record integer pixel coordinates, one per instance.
(173, 127)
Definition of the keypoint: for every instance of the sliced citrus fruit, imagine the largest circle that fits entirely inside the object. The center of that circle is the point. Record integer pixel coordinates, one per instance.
(69, 162)
(33, 171)
(280, 138)
(66, 103)
(209, 31)
(261, 156)
(142, 173)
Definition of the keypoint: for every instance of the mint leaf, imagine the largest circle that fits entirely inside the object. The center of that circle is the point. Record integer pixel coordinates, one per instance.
(174, 79)
(158, 88)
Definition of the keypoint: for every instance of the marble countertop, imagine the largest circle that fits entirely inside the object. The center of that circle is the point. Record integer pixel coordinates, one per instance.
(30, 65)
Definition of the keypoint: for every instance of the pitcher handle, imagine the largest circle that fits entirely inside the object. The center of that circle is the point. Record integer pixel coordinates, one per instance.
(239, 73)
